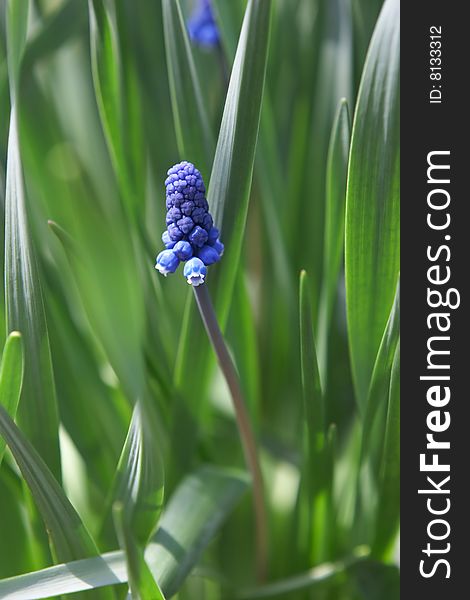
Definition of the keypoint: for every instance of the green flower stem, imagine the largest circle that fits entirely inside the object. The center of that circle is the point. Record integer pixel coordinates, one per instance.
(209, 318)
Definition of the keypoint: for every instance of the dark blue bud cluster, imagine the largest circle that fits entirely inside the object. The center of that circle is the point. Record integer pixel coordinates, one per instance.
(202, 27)
(190, 235)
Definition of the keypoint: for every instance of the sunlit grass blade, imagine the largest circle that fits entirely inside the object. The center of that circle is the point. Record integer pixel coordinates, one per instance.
(194, 514)
(314, 411)
(37, 412)
(193, 132)
(139, 476)
(141, 582)
(11, 378)
(372, 204)
(336, 173)
(388, 512)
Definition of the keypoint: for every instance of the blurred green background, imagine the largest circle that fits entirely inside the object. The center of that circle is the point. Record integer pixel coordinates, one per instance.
(107, 96)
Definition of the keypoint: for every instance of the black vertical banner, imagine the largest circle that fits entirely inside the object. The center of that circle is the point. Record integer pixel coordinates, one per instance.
(435, 192)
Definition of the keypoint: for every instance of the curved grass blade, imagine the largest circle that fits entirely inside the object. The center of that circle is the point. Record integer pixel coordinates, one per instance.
(70, 538)
(37, 412)
(336, 175)
(388, 512)
(11, 378)
(139, 476)
(141, 582)
(372, 203)
(193, 132)
(196, 511)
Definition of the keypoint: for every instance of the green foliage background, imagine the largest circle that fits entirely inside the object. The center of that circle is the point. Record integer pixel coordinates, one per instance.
(124, 436)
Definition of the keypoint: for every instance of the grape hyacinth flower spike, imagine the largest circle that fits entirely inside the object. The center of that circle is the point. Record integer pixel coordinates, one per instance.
(190, 236)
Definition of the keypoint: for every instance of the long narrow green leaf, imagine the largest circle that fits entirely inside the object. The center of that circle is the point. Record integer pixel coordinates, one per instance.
(388, 512)
(230, 183)
(70, 538)
(193, 132)
(141, 582)
(311, 383)
(25, 313)
(115, 80)
(372, 205)
(196, 511)
(336, 174)
(139, 483)
(11, 378)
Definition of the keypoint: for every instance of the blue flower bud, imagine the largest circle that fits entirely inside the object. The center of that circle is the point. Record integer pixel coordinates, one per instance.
(167, 262)
(183, 250)
(167, 240)
(208, 255)
(213, 235)
(174, 232)
(195, 271)
(201, 25)
(219, 247)
(198, 237)
(185, 225)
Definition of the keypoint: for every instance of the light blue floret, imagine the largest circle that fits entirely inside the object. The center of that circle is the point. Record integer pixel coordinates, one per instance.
(167, 262)
(195, 271)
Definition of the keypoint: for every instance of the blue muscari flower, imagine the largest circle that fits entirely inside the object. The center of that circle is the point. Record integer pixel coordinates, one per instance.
(167, 262)
(208, 255)
(202, 27)
(190, 235)
(195, 271)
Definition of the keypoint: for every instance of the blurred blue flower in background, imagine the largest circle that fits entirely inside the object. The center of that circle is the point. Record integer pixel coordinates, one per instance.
(190, 235)
(201, 25)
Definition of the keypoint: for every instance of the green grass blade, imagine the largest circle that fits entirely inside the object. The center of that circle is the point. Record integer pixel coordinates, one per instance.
(311, 383)
(76, 576)
(69, 536)
(141, 582)
(193, 132)
(117, 94)
(140, 482)
(230, 182)
(388, 512)
(11, 378)
(194, 514)
(37, 413)
(314, 411)
(336, 174)
(372, 204)
(379, 386)
(17, 26)
(314, 579)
